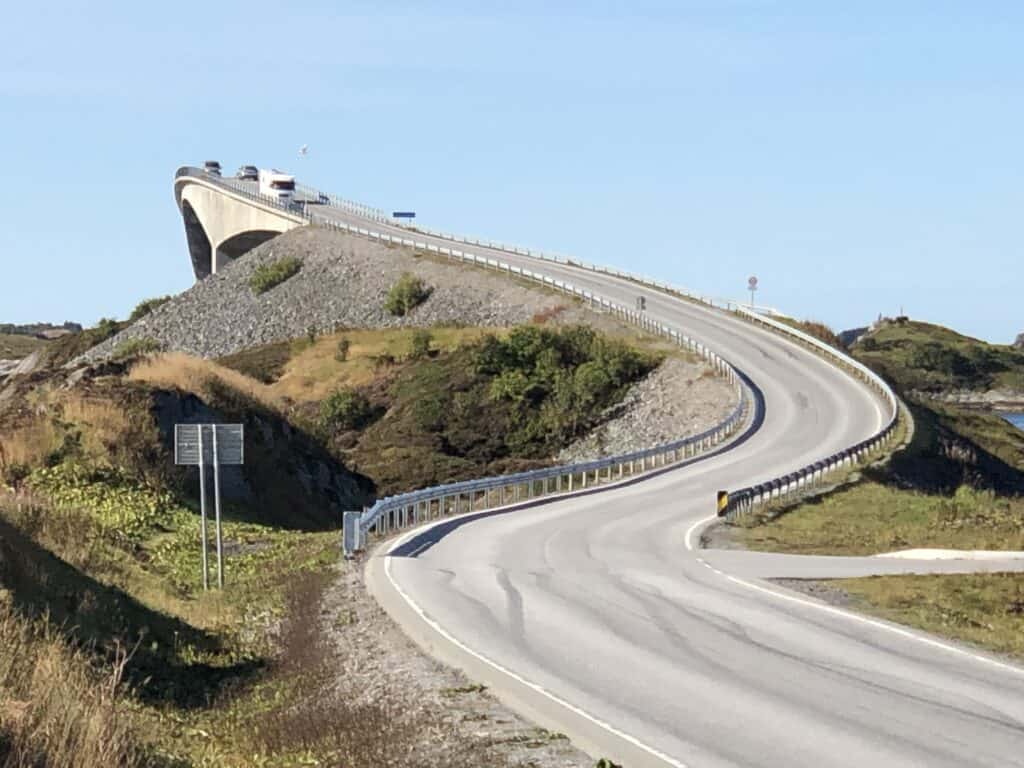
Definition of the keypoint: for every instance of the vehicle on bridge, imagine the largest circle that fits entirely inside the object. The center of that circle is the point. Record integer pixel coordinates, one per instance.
(248, 173)
(278, 185)
(212, 167)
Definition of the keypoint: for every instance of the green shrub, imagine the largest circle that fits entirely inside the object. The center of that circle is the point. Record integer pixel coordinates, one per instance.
(420, 345)
(341, 353)
(273, 273)
(105, 328)
(345, 409)
(136, 348)
(143, 308)
(405, 295)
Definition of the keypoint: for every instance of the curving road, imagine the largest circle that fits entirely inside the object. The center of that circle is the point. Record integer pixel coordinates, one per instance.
(596, 614)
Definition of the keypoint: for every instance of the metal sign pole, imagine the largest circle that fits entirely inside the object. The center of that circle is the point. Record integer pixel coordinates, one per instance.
(216, 507)
(202, 509)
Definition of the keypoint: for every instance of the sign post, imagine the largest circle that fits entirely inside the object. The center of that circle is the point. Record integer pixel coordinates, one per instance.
(752, 286)
(199, 445)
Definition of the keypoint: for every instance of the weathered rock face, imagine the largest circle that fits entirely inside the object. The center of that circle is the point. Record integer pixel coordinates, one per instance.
(1019, 343)
(343, 282)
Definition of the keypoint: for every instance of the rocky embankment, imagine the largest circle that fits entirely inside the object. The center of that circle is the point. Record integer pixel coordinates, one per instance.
(342, 284)
(990, 400)
(679, 398)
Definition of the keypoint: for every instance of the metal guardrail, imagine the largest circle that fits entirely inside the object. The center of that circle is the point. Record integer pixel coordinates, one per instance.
(743, 500)
(412, 508)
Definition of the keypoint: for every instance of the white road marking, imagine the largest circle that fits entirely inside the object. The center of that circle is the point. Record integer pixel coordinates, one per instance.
(695, 526)
(876, 624)
(519, 678)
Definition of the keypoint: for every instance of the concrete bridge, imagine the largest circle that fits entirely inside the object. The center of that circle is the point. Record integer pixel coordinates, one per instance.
(225, 218)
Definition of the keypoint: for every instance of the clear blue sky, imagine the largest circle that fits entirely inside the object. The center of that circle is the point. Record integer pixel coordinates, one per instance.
(856, 157)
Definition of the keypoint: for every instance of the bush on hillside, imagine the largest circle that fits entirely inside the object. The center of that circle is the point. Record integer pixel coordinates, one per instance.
(405, 295)
(273, 273)
(341, 351)
(145, 307)
(133, 348)
(345, 409)
(420, 344)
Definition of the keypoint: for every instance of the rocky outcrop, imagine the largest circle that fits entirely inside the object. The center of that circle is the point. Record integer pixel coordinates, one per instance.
(1019, 341)
(993, 399)
(343, 282)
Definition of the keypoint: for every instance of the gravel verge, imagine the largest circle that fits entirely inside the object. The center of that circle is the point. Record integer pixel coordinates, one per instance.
(679, 398)
(359, 630)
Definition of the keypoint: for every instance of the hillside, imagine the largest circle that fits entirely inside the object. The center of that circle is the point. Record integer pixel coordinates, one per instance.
(16, 346)
(959, 484)
(936, 361)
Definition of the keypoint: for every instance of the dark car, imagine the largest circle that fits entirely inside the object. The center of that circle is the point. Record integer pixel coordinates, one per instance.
(212, 167)
(248, 173)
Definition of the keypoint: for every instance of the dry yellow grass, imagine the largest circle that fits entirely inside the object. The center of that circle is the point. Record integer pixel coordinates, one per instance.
(313, 373)
(193, 374)
(54, 710)
(28, 446)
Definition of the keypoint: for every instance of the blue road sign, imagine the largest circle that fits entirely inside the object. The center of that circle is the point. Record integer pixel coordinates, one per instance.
(404, 215)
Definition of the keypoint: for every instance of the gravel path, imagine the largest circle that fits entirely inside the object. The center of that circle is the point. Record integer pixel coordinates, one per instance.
(680, 398)
(343, 283)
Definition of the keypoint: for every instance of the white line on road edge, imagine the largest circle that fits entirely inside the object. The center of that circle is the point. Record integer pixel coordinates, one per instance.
(853, 616)
(695, 526)
(518, 678)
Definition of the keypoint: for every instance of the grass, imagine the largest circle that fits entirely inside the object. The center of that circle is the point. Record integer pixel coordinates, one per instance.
(406, 294)
(273, 273)
(870, 518)
(14, 346)
(986, 610)
(930, 358)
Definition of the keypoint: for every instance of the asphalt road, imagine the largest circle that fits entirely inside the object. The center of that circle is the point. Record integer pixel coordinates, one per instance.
(592, 614)
(595, 615)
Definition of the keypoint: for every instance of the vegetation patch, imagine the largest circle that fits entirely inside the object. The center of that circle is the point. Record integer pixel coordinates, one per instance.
(929, 358)
(986, 610)
(501, 404)
(14, 346)
(273, 273)
(870, 518)
(405, 295)
(133, 348)
(146, 306)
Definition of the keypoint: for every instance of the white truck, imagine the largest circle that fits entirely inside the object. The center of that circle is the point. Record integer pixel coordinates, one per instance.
(280, 186)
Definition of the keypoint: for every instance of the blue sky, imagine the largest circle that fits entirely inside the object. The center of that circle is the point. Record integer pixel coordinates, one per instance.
(857, 157)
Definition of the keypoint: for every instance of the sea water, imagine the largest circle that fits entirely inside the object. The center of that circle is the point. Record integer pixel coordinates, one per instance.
(1017, 419)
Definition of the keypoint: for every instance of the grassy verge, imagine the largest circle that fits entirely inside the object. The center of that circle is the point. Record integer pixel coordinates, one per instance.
(870, 518)
(986, 610)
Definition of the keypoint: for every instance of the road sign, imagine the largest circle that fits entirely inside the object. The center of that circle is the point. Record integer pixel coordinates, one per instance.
(752, 283)
(404, 215)
(230, 449)
(202, 445)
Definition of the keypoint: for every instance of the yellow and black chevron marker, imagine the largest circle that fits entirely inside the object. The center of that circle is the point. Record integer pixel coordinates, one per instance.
(723, 503)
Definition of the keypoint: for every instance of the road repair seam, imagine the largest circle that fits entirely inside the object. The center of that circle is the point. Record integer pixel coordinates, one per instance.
(513, 675)
(852, 616)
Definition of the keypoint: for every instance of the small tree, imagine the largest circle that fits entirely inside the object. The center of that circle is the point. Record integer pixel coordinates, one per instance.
(345, 409)
(420, 344)
(405, 295)
(341, 353)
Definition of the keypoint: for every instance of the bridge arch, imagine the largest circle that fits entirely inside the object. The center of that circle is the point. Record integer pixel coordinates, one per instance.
(222, 223)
